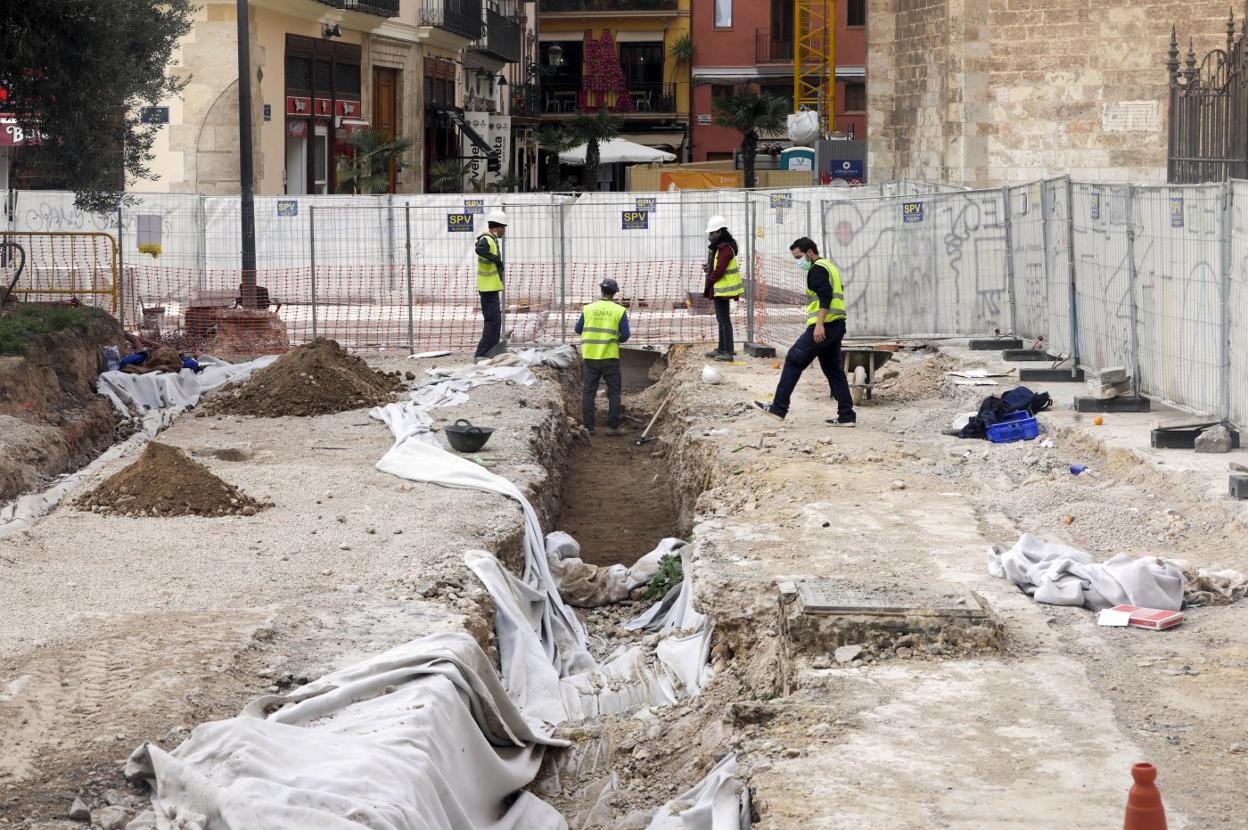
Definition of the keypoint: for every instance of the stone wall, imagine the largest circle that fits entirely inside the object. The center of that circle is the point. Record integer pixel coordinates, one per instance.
(988, 92)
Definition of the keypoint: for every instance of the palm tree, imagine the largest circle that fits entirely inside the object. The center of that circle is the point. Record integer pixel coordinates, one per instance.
(368, 170)
(591, 130)
(750, 112)
(554, 139)
(447, 176)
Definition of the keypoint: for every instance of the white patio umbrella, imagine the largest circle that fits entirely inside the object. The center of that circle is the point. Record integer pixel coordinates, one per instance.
(615, 151)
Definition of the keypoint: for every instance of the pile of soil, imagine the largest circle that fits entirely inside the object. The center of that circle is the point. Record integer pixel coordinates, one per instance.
(915, 378)
(318, 378)
(166, 482)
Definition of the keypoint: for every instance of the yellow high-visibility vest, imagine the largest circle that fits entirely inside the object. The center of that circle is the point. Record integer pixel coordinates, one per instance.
(600, 336)
(836, 309)
(487, 272)
(730, 284)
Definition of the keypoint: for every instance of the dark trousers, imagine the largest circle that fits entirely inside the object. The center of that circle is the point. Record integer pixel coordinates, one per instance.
(723, 308)
(804, 352)
(595, 371)
(492, 332)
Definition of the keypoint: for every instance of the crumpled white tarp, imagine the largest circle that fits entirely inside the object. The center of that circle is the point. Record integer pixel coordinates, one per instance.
(411, 418)
(720, 801)
(589, 586)
(136, 394)
(1062, 575)
(23, 511)
(427, 736)
(685, 652)
(422, 737)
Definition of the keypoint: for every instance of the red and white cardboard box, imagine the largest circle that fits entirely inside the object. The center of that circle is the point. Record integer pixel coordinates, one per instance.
(1151, 618)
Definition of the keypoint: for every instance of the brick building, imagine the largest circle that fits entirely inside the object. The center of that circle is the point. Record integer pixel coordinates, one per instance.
(986, 92)
(751, 42)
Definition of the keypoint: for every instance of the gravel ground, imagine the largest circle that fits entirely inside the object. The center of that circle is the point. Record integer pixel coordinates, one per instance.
(120, 629)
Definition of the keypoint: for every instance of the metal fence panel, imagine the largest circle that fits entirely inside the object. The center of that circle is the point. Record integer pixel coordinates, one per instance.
(1055, 201)
(1178, 294)
(1238, 305)
(1028, 262)
(1100, 248)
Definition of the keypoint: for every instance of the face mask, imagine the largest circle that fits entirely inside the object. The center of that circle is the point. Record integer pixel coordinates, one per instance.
(804, 264)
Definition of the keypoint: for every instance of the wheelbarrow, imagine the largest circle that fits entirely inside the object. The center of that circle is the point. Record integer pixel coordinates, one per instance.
(861, 363)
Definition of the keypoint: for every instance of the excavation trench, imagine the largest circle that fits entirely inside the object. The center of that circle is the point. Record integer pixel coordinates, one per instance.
(617, 496)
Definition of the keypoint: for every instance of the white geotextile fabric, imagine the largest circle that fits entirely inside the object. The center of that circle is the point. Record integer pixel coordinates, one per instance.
(422, 737)
(720, 801)
(24, 511)
(450, 387)
(589, 586)
(136, 394)
(427, 735)
(1062, 575)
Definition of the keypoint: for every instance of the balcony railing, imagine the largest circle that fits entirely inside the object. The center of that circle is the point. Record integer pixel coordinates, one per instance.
(555, 6)
(461, 17)
(381, 8)
(568, 98)
(526, 100)
(769, 48)
(501, 38)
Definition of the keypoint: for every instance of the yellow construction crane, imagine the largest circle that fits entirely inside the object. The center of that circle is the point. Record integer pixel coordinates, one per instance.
(814, 59)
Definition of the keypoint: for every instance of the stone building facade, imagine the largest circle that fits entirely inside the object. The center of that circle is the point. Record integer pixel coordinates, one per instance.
(990, 92)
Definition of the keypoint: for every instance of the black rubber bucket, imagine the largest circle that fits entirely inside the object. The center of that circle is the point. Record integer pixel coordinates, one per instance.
(465, 437)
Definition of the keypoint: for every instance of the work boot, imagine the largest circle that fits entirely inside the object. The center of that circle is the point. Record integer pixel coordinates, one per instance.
(769, 409)
(614, 432)
(725, 358)
(841, 422)
(714, 353)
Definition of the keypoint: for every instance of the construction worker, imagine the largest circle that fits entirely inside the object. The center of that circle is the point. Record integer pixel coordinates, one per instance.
(490, 281)
(825, 329)
(723, 283)
(603, 326)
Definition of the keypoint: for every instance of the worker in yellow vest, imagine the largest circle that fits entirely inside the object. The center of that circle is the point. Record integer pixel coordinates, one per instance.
(825, 329)
(723, 283)
(603, 326)
(490, 281)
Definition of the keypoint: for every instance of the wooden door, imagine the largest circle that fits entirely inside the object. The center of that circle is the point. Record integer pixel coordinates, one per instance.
(386, 108)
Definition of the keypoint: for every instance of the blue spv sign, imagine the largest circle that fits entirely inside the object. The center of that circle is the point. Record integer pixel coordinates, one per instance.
(911, 211)
(474, 205)
(459, 222)
(634, 220)
(645, 203)
(1176, 211)
(287, 207)
(780, 201)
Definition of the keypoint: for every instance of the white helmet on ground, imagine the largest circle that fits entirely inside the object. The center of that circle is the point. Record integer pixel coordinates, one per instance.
(496, 217)
(715, 223)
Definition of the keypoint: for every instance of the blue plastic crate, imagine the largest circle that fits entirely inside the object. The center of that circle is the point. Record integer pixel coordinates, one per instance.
(1016, 426)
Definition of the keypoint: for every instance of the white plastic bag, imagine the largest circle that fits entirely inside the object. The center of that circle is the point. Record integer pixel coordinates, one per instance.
(804, 128)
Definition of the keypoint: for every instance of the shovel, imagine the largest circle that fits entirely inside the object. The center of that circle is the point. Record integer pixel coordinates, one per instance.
(645, 435)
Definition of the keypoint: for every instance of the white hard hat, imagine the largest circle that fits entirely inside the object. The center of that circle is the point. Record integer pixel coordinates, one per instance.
(496, 217)
(711, 375)
(715, 223)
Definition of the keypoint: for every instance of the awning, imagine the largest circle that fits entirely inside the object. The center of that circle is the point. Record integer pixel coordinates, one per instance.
(457, 118)
(656, 139)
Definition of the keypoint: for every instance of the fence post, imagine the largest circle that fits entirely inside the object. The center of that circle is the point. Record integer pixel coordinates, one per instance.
(1131, 275)
(1228, 226)
(411, 322)
(563, 277)
(1070, 257)
(121, 270)
(749, 264)
(1046, 206)
(312, 258)
(1009, 260)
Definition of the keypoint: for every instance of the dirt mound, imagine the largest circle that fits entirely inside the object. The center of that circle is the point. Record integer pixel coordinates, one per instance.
(166, 482)
(315, 379)
(914, 378)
